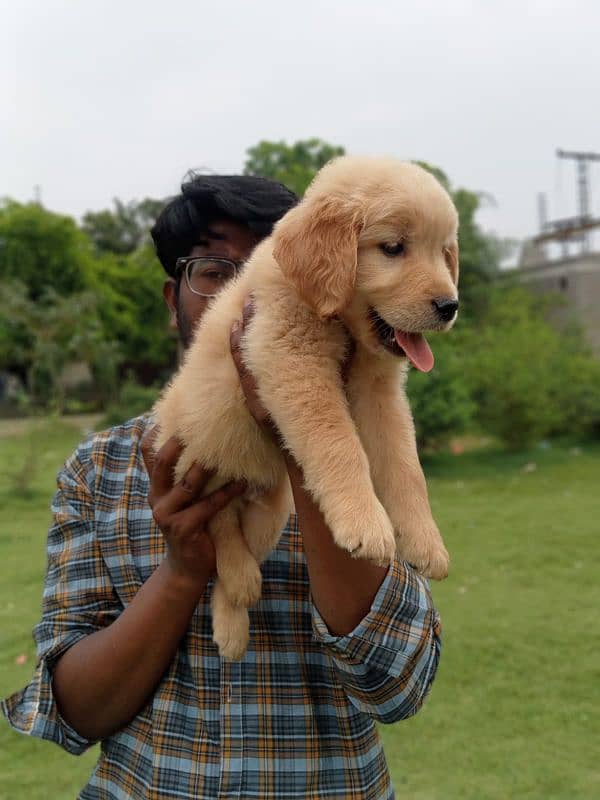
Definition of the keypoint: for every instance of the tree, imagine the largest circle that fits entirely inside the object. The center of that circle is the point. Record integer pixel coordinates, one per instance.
(441, 401)
(293, 165)
(127, 278)
(50, 257)
(132, 310)
(42, 249)
(514, 369)
(59, 329)
(124, 228)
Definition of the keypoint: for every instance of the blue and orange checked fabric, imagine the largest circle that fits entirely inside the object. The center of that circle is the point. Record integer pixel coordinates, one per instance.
(294, 719)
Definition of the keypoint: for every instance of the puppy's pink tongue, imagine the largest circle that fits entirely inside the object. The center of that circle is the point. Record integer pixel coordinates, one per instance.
(416, 348)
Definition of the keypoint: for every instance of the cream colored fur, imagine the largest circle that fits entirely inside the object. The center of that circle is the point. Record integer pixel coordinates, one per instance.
(313, 281)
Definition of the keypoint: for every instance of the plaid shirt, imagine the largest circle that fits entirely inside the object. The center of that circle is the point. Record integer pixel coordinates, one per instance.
(294, 719)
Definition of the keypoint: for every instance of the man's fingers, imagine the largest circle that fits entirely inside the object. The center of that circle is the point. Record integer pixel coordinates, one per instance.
(246, 377)
(248, 311)
(217, 500)
(196, 516)
(235, 339)
(161, 477)
(237, 331)
(183, 494)
(190, 487)
(147, 448)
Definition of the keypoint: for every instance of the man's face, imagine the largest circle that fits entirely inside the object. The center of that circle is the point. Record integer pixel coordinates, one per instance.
(223, 239)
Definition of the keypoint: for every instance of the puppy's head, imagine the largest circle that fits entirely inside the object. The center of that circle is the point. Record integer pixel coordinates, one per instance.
(375, 242)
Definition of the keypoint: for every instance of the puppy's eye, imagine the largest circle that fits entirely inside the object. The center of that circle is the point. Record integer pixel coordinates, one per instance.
(392, 249)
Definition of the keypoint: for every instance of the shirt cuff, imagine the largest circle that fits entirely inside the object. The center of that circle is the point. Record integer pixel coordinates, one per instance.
(33, 710)
(401, 616)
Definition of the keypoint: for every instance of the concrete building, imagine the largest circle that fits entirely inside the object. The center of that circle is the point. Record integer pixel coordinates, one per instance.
(575, 277)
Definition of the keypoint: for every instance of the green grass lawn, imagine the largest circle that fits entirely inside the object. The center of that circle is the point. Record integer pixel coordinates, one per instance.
(29, 769)
(514, 709)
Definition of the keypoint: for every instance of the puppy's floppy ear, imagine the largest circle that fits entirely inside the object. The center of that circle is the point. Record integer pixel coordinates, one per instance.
(316, 245)
(451, 253)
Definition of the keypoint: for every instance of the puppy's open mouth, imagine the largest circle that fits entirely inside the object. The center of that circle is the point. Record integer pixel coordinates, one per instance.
(413, 346)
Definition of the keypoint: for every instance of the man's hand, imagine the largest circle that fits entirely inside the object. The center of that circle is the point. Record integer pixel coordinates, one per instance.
(181, 512)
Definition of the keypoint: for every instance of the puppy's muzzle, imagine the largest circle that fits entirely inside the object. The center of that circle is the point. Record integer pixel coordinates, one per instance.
(445, 308)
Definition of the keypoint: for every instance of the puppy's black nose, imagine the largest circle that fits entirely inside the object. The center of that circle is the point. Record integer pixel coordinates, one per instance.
(445, 307)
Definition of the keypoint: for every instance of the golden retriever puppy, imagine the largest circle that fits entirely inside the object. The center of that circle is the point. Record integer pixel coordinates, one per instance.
(371, 252)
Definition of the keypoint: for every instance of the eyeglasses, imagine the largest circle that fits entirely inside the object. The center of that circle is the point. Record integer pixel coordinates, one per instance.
(206, 275)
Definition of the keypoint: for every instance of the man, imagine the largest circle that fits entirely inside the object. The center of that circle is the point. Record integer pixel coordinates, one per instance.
(125, 646)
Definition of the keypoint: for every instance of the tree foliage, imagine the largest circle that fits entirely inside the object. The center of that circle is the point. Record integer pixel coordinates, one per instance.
(48, 266)
(441, 402)
(528, 379)
(132, 310)
(124, 228)
(293, 165)
(59, 329)
(42, 249)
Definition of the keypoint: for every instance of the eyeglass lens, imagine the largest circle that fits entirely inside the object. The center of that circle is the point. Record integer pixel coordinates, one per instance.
(208, 277)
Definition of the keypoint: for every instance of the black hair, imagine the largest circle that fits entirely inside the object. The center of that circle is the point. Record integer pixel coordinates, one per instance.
(246, 199)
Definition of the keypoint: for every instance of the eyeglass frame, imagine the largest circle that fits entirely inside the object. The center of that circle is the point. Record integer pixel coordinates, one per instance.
(182, 264)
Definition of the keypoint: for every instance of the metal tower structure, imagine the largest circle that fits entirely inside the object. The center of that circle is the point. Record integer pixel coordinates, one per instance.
(583, 161)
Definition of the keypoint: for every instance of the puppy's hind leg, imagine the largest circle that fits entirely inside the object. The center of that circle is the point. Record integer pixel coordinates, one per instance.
(264, 517)
(238, 557)
(237, 586)
(236, 566)
(231, 624)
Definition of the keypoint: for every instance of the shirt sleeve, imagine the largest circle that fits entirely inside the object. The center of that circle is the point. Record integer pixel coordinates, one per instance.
(78, 600)
(386, 665)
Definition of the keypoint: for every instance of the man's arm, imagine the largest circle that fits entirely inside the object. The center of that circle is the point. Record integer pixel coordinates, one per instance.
(103, 680)
(377, 623)
(342, 588)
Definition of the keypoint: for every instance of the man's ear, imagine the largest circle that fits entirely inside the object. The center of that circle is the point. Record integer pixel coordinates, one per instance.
(170, 295)
(316, 245)
(451, 254)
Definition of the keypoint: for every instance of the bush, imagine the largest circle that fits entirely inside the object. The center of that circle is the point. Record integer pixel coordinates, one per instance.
(440, 400)
(527, 379)
(578, 390)
(512, 374)
(54, 332)
(134, 399)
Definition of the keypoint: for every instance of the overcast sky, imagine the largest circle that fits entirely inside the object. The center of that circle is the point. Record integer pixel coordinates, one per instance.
(105, 98)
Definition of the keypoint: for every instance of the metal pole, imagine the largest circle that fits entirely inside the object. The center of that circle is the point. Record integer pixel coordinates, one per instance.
(583, 194)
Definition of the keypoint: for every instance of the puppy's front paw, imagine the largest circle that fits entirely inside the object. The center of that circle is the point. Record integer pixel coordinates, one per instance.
(424, 548)
(369, 536)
